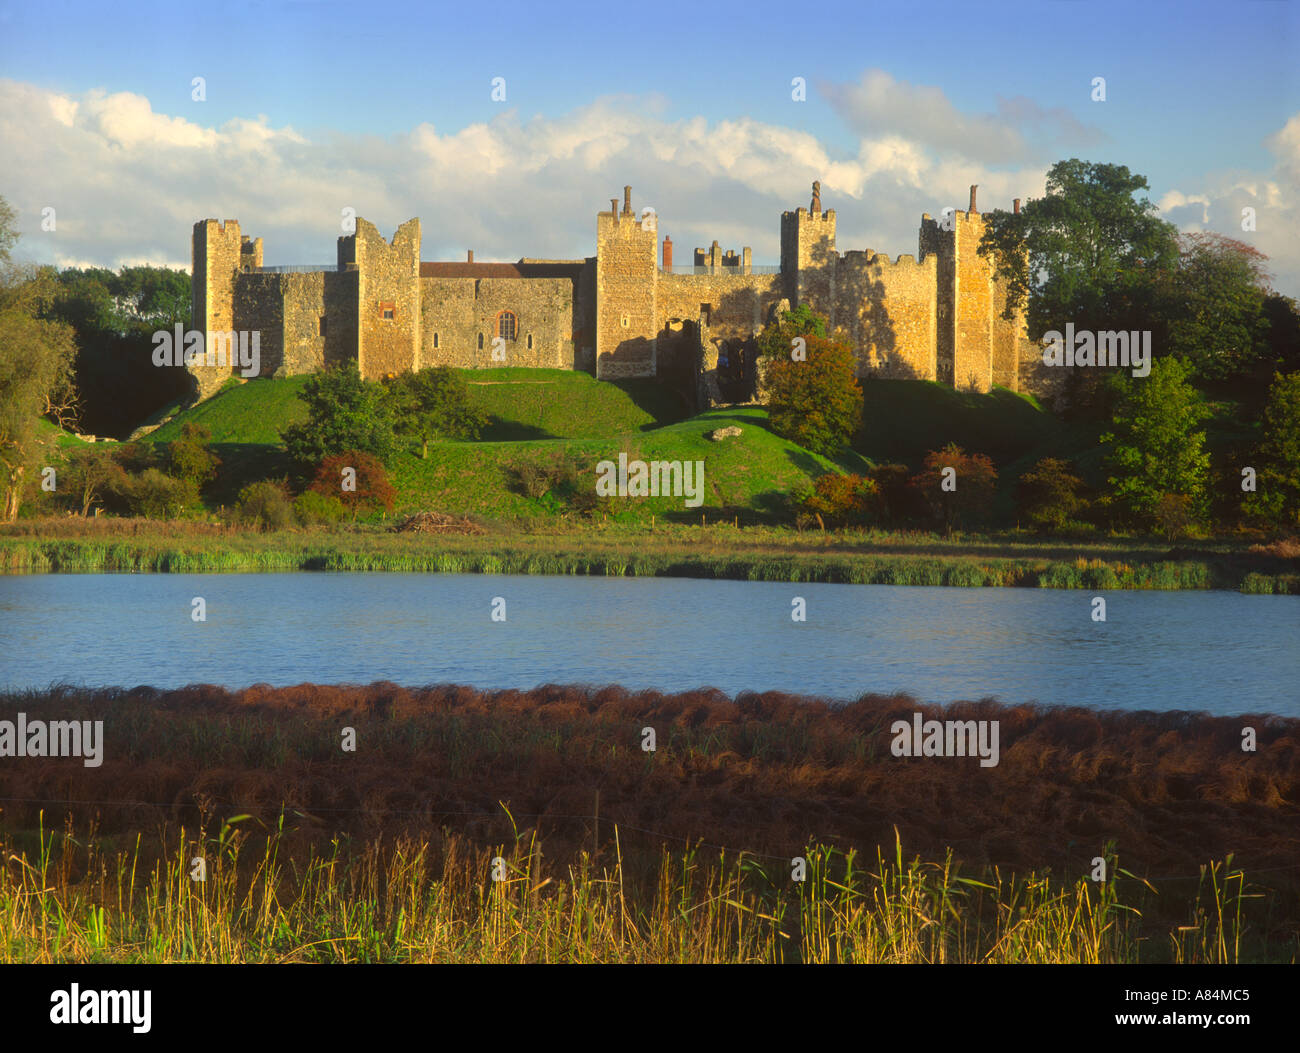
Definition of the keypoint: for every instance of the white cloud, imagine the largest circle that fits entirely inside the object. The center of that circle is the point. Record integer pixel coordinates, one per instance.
(130, 183)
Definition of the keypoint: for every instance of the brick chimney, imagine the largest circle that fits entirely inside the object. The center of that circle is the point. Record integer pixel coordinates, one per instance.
(470, 257)
(973, 209)
(627, 201)
(668, 253)
(1016, 206)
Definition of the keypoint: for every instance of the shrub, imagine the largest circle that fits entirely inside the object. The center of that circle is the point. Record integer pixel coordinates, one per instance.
(190, 457)
(1048, 495)
(974, 482)
(842, 499)
(311, 507)
(156, 495)
(372, 490)
(265, 505)
(562, 481)
(899, 501)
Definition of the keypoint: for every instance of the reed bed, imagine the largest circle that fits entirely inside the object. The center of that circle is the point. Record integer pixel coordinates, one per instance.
(445, 901)
(719, 550)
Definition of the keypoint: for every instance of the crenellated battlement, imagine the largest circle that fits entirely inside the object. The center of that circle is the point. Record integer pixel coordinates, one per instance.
(935, 314)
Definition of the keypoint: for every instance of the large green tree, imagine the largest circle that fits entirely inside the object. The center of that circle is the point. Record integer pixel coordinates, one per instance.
(1156, 451)
(1277, 495)
(35, 369)
(434, 403)
(344, 412)
(1086, 252)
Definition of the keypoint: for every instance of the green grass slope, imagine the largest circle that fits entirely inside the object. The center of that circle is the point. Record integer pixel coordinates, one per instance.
(249, 412)
(743, 475)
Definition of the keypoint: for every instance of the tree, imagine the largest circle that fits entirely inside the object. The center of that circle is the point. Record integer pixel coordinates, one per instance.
(371, 490)
(92, 474)
(812, 391)
(434, 403)
(344, 412)
(1277, 495)
(958, 486)
(841, 500)
(1048, 495)
(1210, 306)
(1155, 448)
(191, 457)
(35, 369)
(1083, 253)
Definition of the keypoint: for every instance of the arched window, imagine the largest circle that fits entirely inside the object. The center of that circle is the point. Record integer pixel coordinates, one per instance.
(507, 325)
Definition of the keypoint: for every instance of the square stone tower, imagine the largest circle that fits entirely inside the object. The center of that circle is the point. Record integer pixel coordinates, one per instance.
(626, 279)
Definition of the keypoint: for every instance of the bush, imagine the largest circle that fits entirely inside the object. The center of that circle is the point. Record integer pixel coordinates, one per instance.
(311, 508)
(899, 501)
(842, 499)
(561, 482)
(190, 457)
(814, 400)
(974, 481)
(1048, 495)
(156, 495)
(265, 505)
(372, 491)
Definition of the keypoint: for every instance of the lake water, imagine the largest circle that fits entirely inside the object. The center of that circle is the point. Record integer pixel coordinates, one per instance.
(1217, 651)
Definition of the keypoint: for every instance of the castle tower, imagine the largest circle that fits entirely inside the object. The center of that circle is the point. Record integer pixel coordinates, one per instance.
(968, 302)
(808, 256)
(218, 253)
(626, 282)
(387, 297)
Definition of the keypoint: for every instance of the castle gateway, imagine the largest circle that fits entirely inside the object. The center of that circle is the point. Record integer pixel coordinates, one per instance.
(627, 311)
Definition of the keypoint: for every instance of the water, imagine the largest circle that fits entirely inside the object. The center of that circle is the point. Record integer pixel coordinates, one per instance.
(1217, 651)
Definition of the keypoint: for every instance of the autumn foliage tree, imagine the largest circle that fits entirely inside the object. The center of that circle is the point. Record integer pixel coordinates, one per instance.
(960, 497)
(368, 490)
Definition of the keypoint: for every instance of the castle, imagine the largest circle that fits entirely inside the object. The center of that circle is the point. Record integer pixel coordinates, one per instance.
(627, 311)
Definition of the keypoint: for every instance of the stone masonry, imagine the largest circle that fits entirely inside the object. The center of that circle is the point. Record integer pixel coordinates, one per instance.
(621, 313)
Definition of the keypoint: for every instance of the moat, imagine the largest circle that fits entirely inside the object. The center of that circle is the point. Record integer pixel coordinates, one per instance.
(1218, 651)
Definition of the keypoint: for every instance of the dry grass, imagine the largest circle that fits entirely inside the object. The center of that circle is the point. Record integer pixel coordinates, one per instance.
(769, 775)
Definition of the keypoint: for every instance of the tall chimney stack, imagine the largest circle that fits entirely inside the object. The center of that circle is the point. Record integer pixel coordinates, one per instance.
(613, 207)
(973, 209)
(1017, 206)
(668, 253)
(627, 201)
(469, 258)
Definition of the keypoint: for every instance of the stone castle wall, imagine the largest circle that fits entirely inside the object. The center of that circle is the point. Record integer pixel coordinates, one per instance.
(935, 316)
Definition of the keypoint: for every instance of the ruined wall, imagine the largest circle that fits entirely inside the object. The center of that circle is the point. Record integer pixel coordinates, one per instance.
(887, 310)
(626, 316)
(388, 306)
(705, 317)
(460, 316)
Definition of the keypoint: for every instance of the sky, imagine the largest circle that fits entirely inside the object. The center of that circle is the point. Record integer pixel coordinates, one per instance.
(308, 108)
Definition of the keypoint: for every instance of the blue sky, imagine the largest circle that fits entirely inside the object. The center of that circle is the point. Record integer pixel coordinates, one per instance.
(1199, 97)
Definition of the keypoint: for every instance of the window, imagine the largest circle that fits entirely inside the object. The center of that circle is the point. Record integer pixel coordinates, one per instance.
(435, 340)
(322, 325)
(387, 310)
(480, 341)
(530, 341)
(507, 324)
